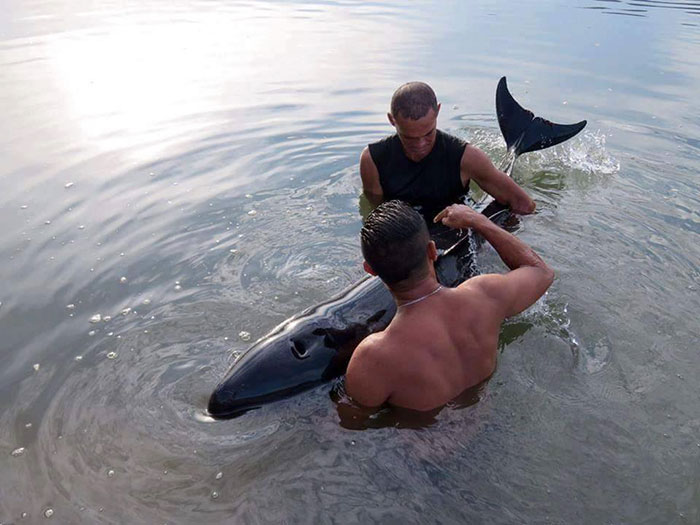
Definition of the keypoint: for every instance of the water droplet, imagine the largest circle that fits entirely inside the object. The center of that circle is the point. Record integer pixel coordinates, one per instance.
(121, 254)
(252, 212)
(165, 472)
(122, 280)
(565, 102)
(29, 425)
(110, 473)
(81, 227)
(48, 513)
(36, 367)
(24, 207)
(18, 452)
(178, 287)
(24, 515)
(146, 301)
(107, 318)
(47, 222)
(96, 318)
(219, 475)
(245, 336)
(68, 185)
(111, 355)
(91, 333)
(233, 250)
(78, 358)
(126, 311)
(70, 306)
(353, 442)
(214, 495)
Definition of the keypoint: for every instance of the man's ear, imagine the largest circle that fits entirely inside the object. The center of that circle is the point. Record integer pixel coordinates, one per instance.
(391, 119)
(369, 269)
(432, 251)
(438, 110)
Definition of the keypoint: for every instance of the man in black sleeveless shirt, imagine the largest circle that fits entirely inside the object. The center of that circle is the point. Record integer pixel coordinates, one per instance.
(426, 167)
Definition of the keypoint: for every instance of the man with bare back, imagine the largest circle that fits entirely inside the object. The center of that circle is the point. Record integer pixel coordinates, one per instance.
(442, 340)
(426, 167)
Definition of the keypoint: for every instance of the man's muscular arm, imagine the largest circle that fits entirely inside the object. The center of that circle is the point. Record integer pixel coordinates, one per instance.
(367, 378)
(476, 165)
(529, 277)
(370, 179)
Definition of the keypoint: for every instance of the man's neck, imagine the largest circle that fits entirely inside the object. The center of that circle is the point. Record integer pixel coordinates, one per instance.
(410, 292)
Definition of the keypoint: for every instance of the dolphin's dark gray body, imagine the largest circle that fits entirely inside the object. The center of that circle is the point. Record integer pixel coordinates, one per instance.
(315, 346)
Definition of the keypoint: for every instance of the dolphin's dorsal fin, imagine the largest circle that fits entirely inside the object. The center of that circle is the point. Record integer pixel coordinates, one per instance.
(524, 131)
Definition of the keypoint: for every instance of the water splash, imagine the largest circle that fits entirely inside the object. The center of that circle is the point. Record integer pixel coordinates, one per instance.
(586, 153)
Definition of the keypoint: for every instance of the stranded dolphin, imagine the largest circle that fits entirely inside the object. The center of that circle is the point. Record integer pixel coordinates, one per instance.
(315, 345)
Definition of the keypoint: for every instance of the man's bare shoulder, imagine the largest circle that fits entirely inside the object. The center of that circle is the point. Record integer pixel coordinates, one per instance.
(482, 290)
(474, 159)
(370, 349)
(375, 354)
(367, 380)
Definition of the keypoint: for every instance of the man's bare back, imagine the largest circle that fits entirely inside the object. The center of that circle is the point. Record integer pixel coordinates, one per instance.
(443, 341)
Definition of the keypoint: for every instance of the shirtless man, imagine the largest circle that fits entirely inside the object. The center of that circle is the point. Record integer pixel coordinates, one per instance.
(426, 167)
(442, 340)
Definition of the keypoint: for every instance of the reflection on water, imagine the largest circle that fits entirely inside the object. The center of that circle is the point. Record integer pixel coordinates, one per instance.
(642, 7)
(188, 173)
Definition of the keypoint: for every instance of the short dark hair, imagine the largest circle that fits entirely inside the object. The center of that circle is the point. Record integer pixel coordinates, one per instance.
(394, 240)
(413, 100)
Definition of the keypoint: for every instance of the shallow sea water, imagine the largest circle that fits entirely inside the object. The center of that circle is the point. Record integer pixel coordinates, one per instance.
(188, 171)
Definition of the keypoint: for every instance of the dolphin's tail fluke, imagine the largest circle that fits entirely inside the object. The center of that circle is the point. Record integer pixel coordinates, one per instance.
(524, 131)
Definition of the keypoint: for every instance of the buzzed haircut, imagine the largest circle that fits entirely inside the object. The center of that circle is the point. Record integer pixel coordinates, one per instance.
(413, 100)
(394, 240)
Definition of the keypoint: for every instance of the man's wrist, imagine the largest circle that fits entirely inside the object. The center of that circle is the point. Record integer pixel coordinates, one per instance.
(480, 222)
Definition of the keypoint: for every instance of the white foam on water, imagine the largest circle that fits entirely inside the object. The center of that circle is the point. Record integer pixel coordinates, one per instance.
(587, 152)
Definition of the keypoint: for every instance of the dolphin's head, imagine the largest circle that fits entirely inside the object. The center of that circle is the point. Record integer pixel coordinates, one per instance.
(297, 355)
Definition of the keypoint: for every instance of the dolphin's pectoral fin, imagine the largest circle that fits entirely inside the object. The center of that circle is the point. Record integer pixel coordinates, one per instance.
(377, 321)
(522, 130)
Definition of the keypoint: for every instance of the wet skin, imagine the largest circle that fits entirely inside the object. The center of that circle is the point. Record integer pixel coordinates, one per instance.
(417, 136)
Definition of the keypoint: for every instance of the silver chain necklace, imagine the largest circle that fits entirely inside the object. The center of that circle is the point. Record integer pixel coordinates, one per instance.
(422, 297)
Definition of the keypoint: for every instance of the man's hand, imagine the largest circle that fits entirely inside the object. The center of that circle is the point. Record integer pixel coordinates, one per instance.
(459, 216)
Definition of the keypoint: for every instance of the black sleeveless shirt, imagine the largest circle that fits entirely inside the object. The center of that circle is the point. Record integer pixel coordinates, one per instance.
(430, 184)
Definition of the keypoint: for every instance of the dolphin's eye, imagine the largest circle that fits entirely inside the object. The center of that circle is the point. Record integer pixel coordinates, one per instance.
(299, 349)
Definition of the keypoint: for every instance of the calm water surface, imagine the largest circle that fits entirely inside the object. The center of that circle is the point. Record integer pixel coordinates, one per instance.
(188, 172)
